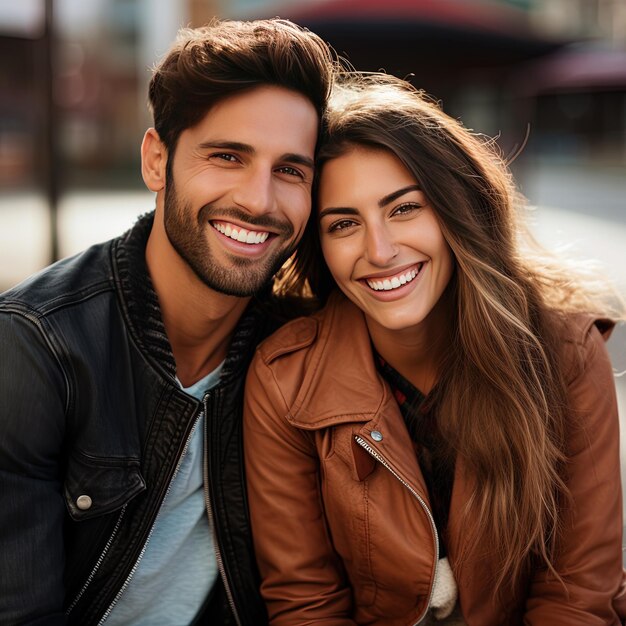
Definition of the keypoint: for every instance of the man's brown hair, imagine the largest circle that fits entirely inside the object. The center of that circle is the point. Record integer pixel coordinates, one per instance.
(207, 64)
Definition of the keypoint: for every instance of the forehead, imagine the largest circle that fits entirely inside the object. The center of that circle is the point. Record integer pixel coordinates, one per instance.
(362, 174)
(265, 117)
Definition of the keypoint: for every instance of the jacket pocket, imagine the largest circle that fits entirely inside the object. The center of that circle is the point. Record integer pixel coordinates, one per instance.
(346, 474)
(95, 486)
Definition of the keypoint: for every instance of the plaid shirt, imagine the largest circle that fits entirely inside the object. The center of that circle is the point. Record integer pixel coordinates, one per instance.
(436, 466)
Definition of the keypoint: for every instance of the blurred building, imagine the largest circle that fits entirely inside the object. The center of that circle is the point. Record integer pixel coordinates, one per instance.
(581, 19)
(497, 65)
(555, 69)
(95, 60)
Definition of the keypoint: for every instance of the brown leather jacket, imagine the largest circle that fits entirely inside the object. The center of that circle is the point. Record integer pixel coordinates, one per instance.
(340, 513)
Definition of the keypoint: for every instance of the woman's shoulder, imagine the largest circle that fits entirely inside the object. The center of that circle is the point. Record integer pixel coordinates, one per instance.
(582, 340)
(306, 332)
(297, 334)
(577, 328)
(328, 350)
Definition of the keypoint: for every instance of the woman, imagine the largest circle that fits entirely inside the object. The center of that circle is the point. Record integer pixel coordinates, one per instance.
(440, 442)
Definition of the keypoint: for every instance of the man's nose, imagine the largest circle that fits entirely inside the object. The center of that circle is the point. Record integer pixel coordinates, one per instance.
(255, 191)
(381, 248)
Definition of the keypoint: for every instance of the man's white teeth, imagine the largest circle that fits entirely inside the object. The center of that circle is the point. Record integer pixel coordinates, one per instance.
(387, 284)
(241, 234)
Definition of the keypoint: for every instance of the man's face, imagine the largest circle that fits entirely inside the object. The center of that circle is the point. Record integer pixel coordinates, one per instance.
(239, 193)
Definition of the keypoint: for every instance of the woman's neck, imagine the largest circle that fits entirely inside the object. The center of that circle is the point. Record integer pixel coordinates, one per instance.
(416, 352)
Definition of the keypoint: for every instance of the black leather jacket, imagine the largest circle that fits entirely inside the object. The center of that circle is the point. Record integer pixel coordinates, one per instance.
(90, 408)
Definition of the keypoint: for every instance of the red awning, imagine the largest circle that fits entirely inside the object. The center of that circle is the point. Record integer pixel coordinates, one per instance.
(475, 15)
(440, 42)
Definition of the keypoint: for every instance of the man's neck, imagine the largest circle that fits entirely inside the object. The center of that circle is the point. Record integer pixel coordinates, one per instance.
(199, 321)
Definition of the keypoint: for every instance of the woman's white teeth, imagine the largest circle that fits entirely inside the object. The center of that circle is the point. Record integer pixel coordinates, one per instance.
(387, 284)
(240, 234)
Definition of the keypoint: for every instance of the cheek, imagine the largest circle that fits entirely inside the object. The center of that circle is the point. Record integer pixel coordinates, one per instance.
(435, 242)
(326, 250)
(446, 264)
(332, 255)
(294, 203)
(449, 265)
(196, 177)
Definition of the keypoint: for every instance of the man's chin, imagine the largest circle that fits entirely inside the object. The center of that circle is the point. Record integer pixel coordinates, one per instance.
(245, 280)
(240, 287)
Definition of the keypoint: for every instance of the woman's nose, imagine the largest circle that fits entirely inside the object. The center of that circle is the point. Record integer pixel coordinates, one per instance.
(381, 247)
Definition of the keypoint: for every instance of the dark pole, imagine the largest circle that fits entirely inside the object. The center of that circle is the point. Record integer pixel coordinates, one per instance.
(51, 167)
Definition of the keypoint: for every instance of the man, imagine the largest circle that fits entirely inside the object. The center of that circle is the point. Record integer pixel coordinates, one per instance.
(121, 370)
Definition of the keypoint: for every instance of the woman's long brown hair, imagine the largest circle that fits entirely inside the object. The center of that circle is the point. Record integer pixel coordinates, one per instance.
(501, 397)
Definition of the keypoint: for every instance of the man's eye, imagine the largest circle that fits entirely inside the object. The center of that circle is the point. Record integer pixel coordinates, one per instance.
(290, 171)
(224, 156)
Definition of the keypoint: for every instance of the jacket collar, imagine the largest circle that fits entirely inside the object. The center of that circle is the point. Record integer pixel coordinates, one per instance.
(140, 304)
(342, 385)
(341, 364)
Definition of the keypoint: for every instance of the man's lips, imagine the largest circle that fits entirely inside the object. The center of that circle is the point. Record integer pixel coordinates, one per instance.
(394, 281)
(238, 233)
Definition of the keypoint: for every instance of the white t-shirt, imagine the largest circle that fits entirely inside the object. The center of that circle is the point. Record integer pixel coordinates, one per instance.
(178, 567)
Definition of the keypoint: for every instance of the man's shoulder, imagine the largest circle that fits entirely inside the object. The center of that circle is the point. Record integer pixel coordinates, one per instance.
(64, 283)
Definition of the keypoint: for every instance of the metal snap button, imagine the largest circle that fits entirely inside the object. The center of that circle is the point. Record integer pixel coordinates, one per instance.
(83, 502)
(376, 435)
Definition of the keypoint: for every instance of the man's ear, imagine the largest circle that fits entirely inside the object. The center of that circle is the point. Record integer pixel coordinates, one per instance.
(153, 160)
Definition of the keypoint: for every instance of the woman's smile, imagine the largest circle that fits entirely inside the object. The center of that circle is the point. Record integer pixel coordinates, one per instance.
(396, 280)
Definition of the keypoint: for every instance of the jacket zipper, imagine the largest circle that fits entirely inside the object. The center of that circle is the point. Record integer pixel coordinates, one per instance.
(145, 545)
(209, 508)
(98, 562)
(373, 452)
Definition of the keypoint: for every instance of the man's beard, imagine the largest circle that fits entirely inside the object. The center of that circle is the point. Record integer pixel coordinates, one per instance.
(245, 276)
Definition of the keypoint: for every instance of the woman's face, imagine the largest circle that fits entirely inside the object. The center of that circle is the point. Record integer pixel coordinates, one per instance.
(381, 239)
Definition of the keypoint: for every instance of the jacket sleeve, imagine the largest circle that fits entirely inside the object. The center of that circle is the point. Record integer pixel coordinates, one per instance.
(302, 577)
(590, 558)
(32, 415)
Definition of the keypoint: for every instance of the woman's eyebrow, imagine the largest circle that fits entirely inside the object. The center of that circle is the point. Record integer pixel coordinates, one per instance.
(339, 210)
(384, 201)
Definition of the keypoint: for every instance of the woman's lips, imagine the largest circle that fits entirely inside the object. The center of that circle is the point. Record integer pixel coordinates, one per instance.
(394, 281)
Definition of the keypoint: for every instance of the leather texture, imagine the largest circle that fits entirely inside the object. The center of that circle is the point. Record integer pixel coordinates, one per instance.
(91, 408)
(339, 507)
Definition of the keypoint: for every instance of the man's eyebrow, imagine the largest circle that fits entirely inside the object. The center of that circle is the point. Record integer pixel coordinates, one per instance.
(299, 159)
(228, 145)
(384, 201)
(296, 159)
(339, 210)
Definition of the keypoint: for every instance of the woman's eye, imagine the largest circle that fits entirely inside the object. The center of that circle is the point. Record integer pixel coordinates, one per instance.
(406, 208)
(340, 225)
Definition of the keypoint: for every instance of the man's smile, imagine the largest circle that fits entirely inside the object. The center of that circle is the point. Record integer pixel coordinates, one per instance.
(240, 234)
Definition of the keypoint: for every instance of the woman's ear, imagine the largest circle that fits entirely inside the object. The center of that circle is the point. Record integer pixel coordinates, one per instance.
(153, 160)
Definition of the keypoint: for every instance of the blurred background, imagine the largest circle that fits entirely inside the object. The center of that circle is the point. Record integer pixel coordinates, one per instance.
(546, 77)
